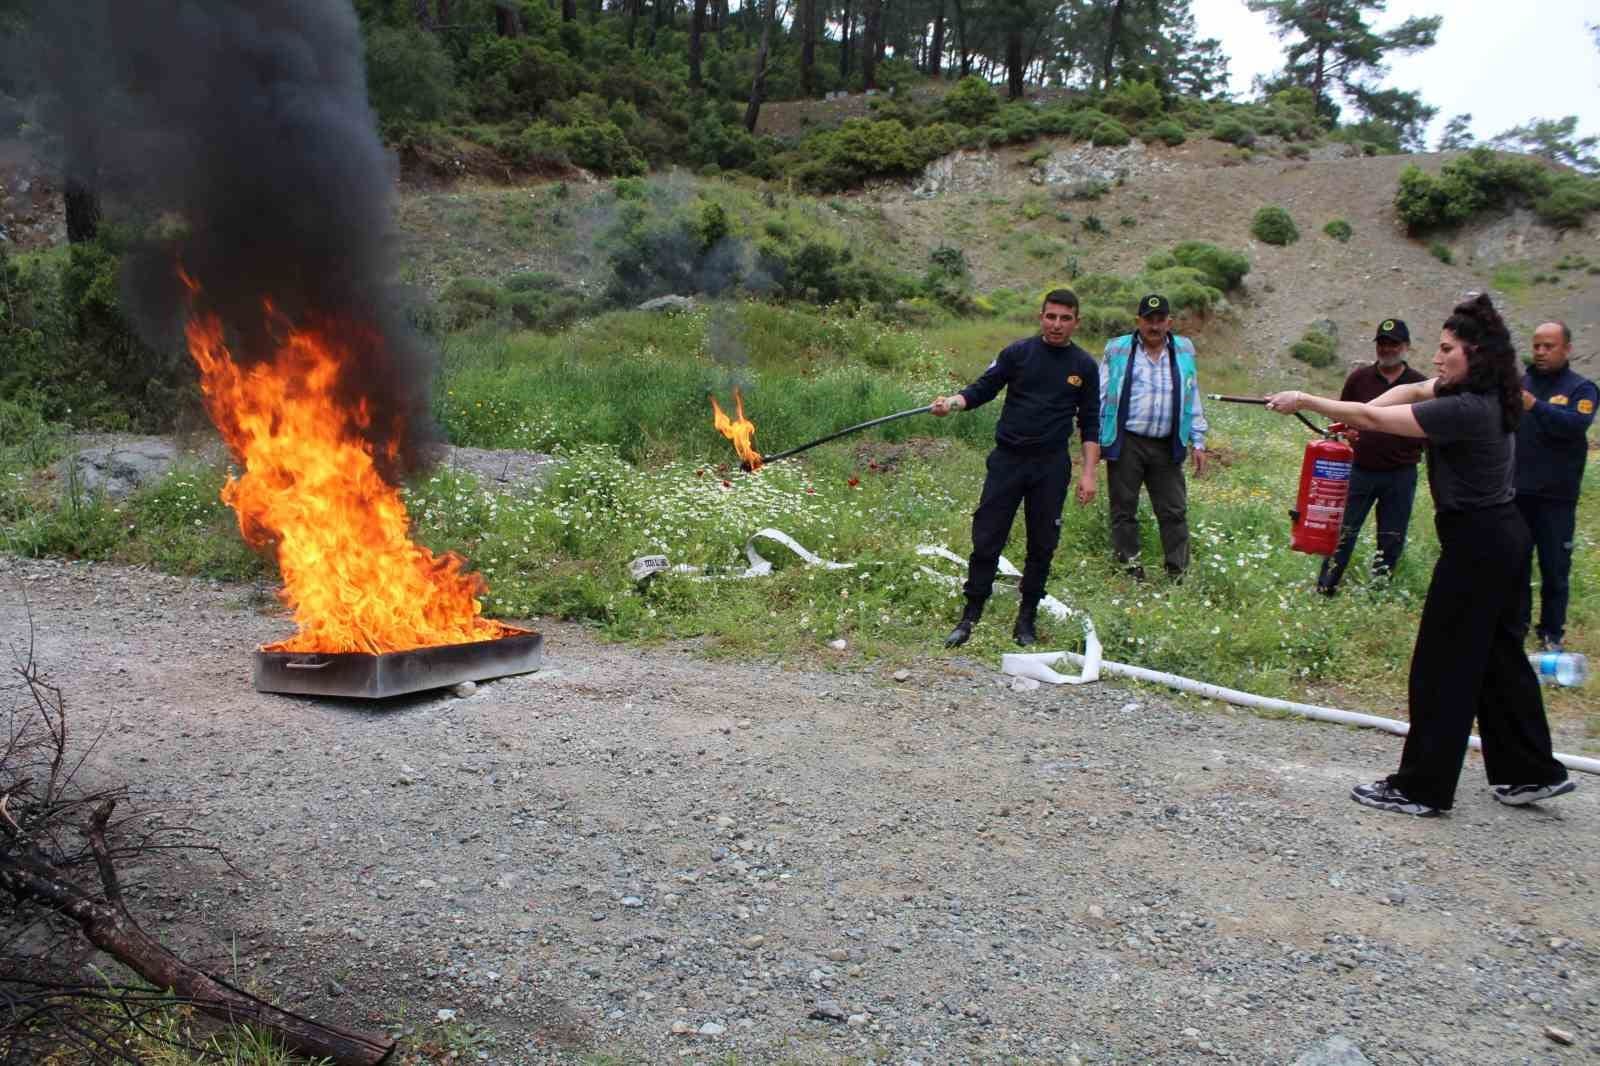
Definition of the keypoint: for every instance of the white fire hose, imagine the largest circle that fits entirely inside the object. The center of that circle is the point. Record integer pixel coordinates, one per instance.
(1039, 666)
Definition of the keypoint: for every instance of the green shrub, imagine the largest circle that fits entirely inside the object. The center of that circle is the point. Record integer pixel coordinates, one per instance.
(1135, 101)
(1110, 134)
(601, 146)
(831, 160)
(1273, 225)
(1297, 151)
(1084, 122)
(1441, 251)
(1220, 268)
(1482, 181)
(971, 101)
(1315, 349)
(1339, 230)
(1098, 320)
(1233, 131)
(1016, 122)
(1167, 131)
(409, 75)
(1092, 224)
(1569, 203)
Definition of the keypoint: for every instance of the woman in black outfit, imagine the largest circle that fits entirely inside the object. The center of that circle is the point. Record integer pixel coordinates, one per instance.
(1468, 662)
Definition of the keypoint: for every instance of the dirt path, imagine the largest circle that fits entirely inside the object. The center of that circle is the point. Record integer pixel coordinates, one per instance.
(940, 871)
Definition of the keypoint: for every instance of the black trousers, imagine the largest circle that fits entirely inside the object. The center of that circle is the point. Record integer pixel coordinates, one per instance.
(1553, 524)
(1037, 481)
(1393, 491)
(1469, 663)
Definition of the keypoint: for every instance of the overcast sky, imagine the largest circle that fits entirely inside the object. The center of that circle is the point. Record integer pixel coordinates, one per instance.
(1504, 63)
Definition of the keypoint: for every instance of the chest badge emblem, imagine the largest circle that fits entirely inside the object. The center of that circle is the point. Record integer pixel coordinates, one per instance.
(1559, 400)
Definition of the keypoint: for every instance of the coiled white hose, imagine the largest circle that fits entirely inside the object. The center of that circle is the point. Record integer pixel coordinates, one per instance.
(1039, 666)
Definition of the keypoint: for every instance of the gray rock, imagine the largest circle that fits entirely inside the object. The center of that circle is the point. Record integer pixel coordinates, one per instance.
(1335, 1051)
(669, 304)
(117, 469)
(902, 675)
(827, 1010)
(501, 470)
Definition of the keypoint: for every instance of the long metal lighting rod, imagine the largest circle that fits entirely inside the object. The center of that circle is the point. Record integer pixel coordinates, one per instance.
(1259, 401)
(844, 432)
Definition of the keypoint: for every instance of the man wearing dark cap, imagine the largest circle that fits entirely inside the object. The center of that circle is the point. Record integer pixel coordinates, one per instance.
(1385, 470)
(1150, 421)
(1050, 383)
(1552, 449)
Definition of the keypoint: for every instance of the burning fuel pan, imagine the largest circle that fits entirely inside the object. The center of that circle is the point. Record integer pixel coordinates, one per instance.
(356, 675)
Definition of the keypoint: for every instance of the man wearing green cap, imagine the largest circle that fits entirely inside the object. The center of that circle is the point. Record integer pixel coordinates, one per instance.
(1150, 421)
(1385, 470)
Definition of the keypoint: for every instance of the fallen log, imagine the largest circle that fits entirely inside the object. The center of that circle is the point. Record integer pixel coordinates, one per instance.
(108, 925)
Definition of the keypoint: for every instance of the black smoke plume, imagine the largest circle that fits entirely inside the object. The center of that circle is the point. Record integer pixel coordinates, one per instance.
(241, 130)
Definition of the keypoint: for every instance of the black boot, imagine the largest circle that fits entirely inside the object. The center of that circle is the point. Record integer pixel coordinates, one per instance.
(963, 630)
(1023, 632)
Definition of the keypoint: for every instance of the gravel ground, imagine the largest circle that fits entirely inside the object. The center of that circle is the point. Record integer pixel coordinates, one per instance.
(665, 857)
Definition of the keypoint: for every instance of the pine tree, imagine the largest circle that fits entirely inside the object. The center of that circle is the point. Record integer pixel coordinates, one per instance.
(1457, 135)
(1331, 45)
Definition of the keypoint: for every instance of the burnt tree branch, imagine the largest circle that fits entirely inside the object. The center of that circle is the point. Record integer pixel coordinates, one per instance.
(108, 926)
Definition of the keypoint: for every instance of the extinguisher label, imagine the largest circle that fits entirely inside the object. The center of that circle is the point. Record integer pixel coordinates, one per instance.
(1330, 470)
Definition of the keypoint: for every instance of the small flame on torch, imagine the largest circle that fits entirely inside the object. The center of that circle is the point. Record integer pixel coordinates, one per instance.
(740, 430)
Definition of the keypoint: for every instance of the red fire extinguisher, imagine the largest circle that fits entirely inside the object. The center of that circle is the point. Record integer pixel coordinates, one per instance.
(1324, 489)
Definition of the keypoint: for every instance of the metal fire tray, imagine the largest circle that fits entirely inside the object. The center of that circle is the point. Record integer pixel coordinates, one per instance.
(357, 675)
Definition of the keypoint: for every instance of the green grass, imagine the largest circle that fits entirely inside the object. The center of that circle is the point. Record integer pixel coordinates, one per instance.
(623, 399)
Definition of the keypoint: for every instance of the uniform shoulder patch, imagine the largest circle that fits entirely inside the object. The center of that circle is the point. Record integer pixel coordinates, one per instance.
(1586, 407)
(1559, 399)
(1075, 380)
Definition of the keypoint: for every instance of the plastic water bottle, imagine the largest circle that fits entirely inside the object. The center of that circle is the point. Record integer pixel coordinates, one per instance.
(1564, 668)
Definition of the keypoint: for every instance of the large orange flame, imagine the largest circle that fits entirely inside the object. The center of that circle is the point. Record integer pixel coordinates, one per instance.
(740, 430)
(311, 491)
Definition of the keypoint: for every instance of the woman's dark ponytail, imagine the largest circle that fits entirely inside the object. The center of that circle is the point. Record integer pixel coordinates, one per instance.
(1491, 357)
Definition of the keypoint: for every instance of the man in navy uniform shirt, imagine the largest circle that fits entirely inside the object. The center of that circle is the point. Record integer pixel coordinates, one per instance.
(1552, 448)
(1049, 383)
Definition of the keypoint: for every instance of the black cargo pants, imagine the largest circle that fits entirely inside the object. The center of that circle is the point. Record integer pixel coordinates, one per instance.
(1036, 480)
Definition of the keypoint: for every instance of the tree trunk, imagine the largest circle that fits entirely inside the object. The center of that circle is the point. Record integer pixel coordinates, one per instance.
(443, 18)
(936, 49)
(106, 923)
(873, 31)
(846, 38)
(1113, 40)
(569, 10)
(961, 38)
(1014, 79)
(507, 19)
(83, 211)
(697, 43)
(807, 14)
(633, 19)
(424, 15)
(758, 86)
(721, 9)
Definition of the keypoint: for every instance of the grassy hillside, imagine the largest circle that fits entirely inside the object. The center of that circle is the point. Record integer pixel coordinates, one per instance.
(829, 311)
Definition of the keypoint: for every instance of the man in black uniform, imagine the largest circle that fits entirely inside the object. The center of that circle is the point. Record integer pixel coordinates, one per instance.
(1551, 451)
(1049, 381)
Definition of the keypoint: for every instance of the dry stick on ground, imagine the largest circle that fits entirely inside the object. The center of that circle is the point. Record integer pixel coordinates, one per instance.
(110, 927)
(32, 873)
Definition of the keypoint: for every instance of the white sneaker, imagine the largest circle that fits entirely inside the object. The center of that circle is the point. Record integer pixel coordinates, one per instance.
(1520, 795)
